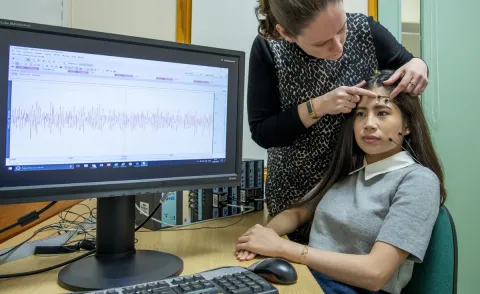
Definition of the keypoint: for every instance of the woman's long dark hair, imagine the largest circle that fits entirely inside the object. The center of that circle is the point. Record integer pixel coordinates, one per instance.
(348, 156)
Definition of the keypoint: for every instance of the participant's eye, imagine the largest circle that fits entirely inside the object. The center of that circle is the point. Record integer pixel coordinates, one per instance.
(382, 113)
(359, 113)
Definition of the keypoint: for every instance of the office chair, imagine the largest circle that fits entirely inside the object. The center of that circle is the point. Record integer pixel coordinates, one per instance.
(437, 274)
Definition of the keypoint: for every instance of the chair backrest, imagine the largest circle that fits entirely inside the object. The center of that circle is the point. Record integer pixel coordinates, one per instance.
(437, 274)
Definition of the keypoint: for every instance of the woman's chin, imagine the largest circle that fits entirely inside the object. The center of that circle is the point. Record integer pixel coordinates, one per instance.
(335, 57)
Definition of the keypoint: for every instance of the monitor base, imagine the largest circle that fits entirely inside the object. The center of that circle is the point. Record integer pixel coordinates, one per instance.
(97, 273)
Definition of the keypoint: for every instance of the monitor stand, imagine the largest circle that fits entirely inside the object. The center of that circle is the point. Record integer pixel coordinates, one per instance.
(116, 263)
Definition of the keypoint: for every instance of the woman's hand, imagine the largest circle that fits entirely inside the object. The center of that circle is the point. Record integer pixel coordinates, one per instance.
(414, 75)
(260, 240)
(341, 100)
(245, 255)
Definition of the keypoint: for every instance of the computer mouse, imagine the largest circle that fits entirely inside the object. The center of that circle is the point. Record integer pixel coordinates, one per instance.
(275, 270)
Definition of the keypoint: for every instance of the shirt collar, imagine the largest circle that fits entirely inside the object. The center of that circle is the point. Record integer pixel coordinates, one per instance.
(394, 162)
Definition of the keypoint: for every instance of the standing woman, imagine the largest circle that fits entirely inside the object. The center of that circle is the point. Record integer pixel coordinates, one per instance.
(306, 67)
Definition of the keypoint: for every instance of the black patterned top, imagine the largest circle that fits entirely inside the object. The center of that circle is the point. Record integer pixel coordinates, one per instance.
(282, 76)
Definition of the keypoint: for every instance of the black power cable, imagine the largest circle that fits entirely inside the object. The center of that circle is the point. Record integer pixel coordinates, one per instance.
(28, 218)
(76, 258)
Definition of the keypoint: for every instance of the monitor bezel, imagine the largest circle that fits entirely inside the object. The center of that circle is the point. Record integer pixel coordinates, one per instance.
(70, 191)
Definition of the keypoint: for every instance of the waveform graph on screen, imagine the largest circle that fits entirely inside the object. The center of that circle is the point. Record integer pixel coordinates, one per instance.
(172, 121)
(92, 121)
(61, 120)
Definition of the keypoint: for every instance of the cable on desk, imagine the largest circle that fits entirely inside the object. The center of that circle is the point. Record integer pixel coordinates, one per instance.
(55, 226)
(39, 271)
(43, 229)
(28, 218)
(79, 225)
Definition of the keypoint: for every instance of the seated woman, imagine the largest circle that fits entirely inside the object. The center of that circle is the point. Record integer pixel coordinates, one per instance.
(373, 213)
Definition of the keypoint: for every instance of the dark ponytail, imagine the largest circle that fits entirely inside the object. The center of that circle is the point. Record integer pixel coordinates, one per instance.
(292, 15)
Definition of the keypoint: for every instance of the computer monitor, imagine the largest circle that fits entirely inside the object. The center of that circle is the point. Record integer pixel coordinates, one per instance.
(93, 115)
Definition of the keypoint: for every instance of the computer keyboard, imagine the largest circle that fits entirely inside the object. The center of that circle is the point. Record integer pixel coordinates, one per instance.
(225, 280)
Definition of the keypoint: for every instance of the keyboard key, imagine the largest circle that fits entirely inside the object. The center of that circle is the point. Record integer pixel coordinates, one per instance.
(239, 284)
(227, 285)
(128, 290)
(112, 292)
(140, 288)
(197, 277)
(186, 289)
(159, 289)
(212, 291)
(163, 291)
(242, 291)
(177, 281)
(265, 285)
(169, 291)
(256, 289)
(151, 285)
(207, 285)
(253, 276)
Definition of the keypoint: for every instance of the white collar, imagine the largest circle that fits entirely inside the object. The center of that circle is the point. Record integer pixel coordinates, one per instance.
(394, 162)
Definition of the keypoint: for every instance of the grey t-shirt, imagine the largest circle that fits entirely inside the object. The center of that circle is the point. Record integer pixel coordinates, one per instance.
(398, 207)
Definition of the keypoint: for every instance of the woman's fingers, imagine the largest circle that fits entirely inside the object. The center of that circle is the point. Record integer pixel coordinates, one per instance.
(355, 99)
(397, 75)
(360, 92)
(245, 255)
(350, 105)
(361, 84)
(251, 256)
(402, 85)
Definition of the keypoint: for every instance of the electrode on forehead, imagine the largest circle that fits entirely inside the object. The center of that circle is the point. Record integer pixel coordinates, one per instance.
(387, 100)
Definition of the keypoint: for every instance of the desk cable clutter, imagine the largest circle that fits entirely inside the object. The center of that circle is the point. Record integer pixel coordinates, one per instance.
(34, 272)
(67, 230)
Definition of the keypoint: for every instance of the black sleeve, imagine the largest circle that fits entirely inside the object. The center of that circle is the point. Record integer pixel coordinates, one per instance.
(390, 53)
(269, 125)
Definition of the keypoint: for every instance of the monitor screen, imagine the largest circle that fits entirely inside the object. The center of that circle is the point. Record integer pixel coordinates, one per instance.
(87, 111)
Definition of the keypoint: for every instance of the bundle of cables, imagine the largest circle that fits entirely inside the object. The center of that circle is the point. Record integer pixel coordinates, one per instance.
(69, 225)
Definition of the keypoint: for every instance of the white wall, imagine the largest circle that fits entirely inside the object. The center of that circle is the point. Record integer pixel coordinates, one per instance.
(360, 6)
(142, 18)
(37, 11)
(234, 28)
(233, 25)
(153, 19)
(411, 11)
